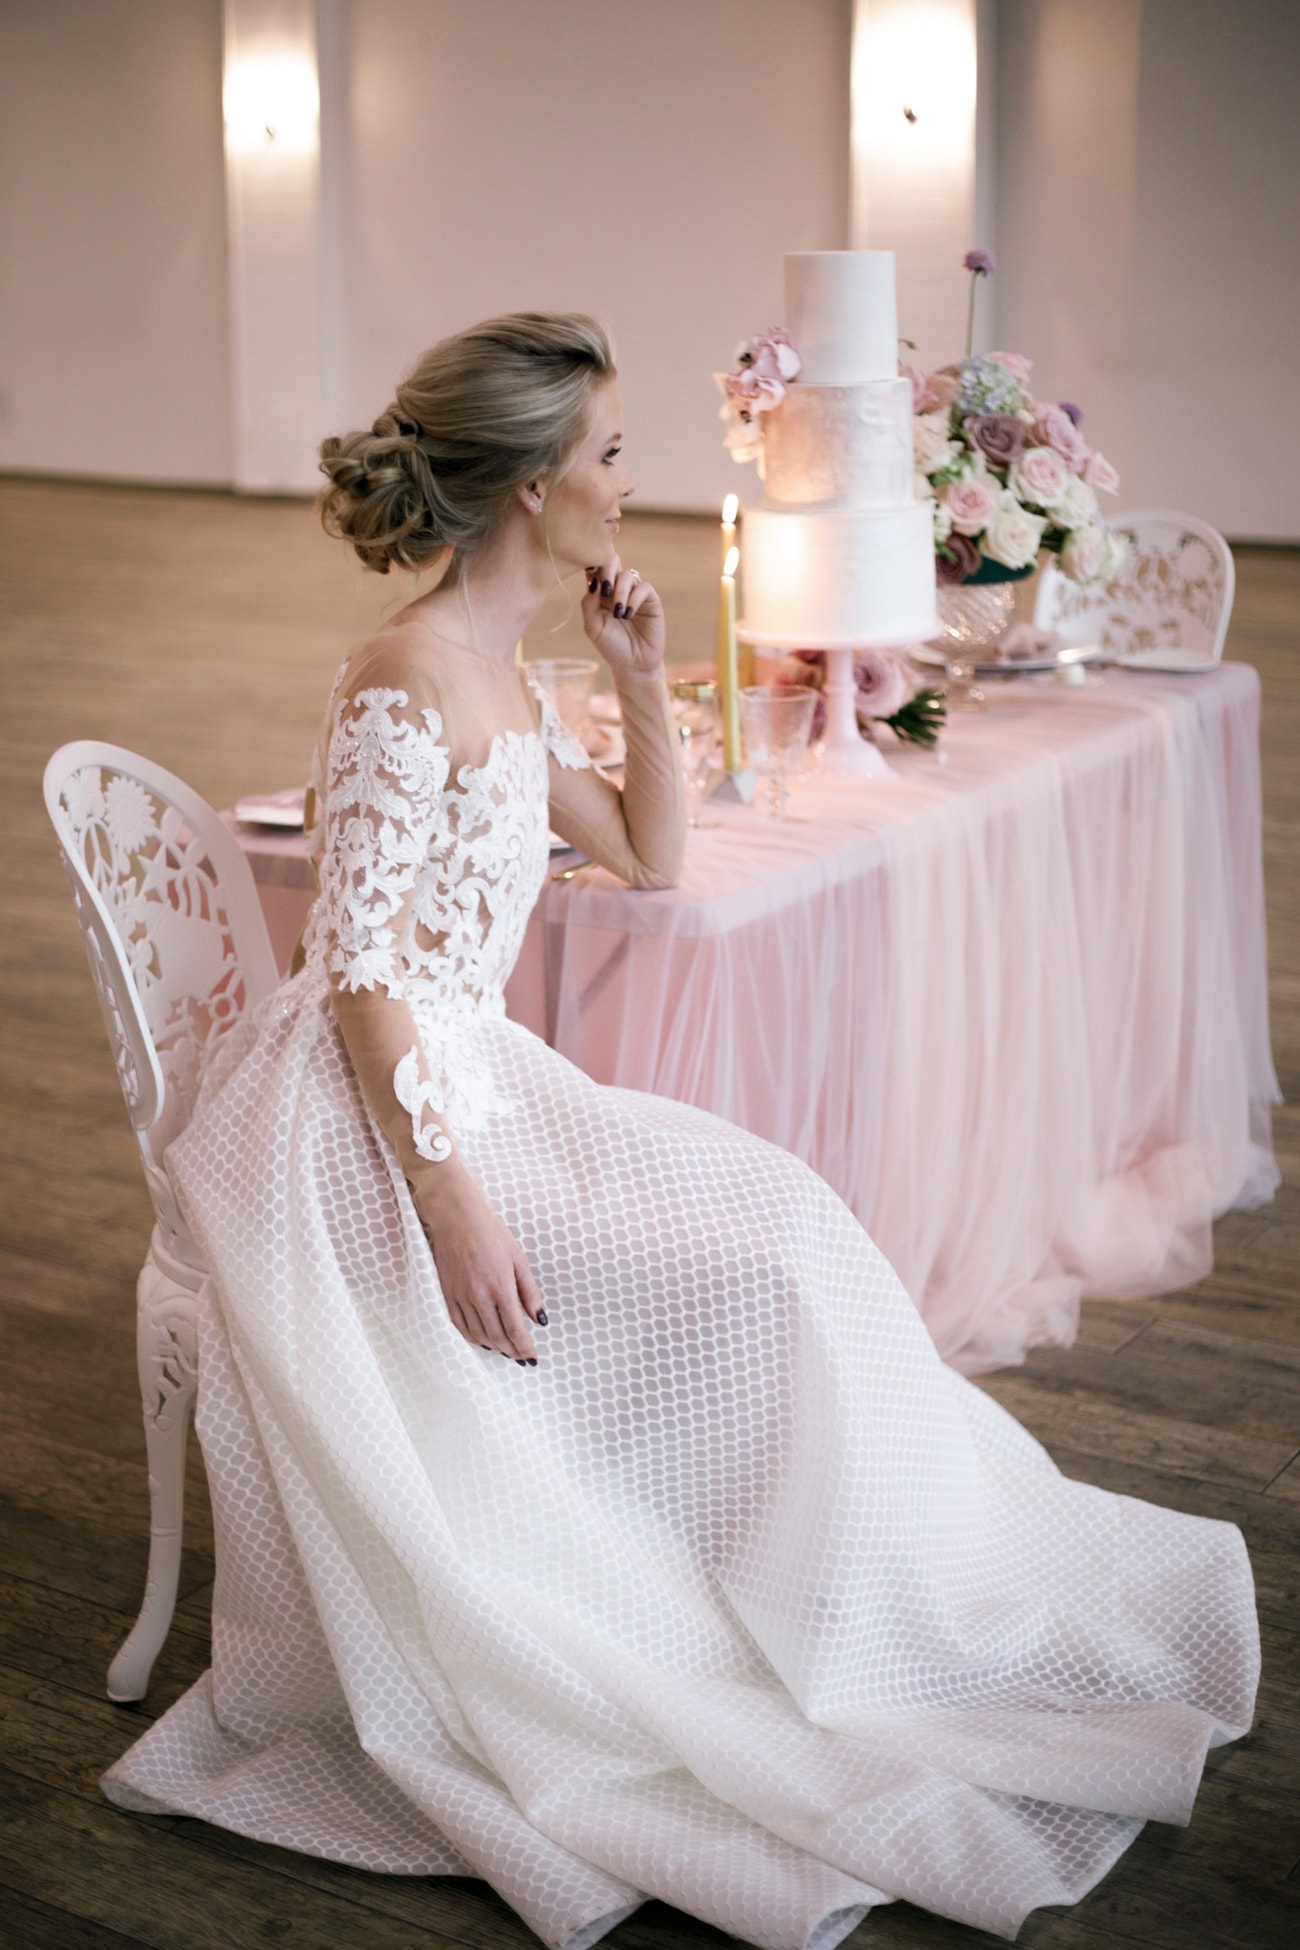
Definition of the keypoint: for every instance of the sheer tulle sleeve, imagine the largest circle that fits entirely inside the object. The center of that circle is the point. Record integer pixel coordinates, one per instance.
(384, 783)
(640, 832)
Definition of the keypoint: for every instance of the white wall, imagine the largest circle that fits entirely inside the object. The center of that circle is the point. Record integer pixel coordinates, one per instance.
(113, 350)
(648, 161)
(1149, 241)
(651, 160)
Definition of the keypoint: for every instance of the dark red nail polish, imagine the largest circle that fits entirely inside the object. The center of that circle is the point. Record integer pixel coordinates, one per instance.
(533, 1362)
(542, 1321)
(606, 588)
(618, 609)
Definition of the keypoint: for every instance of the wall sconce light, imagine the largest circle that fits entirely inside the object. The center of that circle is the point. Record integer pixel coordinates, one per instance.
(272, 103)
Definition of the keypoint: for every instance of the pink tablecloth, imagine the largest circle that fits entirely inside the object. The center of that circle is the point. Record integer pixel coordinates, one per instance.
(1012, 1006)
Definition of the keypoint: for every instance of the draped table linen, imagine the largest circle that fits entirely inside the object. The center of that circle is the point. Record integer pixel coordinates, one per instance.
(1012, 1006)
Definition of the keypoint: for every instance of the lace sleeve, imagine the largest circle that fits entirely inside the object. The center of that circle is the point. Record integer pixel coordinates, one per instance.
(387, 774)
(384, 795)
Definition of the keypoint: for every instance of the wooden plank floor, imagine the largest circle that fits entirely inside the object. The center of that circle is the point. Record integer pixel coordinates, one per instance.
(204, 630)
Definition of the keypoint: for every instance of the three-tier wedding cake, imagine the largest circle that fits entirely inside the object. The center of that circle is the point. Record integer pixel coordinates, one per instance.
(840, 554)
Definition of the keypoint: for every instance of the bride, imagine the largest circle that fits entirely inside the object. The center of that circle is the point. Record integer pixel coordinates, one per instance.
(719, 1587)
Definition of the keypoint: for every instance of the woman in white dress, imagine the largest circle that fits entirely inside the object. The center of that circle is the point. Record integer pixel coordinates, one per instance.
(719, 1587)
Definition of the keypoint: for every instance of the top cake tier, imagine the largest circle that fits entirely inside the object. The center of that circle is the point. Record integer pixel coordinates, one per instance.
(841, 312)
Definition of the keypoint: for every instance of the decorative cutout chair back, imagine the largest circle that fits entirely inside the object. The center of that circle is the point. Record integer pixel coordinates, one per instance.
(177, 945)
(1174, 592)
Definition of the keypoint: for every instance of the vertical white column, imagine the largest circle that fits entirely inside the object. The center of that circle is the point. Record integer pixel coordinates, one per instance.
(914, 178)
(283, 329)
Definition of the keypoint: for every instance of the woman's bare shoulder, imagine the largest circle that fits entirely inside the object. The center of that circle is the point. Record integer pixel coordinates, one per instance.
(399, 656)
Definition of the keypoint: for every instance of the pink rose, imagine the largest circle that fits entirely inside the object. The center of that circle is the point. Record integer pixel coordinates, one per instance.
(924, 399)
(882, 687)
(775, 355)
(753, 390)
(945, 386)
(1099, 474)
(1054, 428)
(1040, 476)
(971, 504)
(1016, 364)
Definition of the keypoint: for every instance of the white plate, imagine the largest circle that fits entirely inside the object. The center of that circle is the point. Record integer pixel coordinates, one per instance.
(1176, 661)
(1083, 653)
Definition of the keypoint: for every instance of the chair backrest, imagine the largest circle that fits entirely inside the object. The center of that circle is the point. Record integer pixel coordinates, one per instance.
(177, 945)
(1174, 592)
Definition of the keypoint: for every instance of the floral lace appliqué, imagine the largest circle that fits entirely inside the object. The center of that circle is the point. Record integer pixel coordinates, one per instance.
(427, 880)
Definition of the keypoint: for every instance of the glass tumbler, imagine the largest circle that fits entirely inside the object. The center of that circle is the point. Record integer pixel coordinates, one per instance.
(695, 707)
(568, 682)
(776, 725)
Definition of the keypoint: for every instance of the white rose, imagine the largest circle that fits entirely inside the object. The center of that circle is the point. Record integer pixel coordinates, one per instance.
(1077, 506)
(942, 523)
(930, 442)
(1041, 477)
(1013, 534)
(1082, 554)
(922, 487)
(1114, 555)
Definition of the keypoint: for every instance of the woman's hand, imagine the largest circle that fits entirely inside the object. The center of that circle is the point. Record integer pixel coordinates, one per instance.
(624, 619)
(489, 1292)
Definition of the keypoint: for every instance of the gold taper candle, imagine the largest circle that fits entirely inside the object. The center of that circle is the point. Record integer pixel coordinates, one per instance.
(728, 675)
(729, 510)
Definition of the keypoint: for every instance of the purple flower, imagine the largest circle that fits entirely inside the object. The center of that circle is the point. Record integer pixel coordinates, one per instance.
(957, 559)
(982, 263)
(1000, 437)
(1075, 412)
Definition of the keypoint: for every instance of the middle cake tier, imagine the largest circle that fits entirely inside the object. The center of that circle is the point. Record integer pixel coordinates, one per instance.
(843, 579)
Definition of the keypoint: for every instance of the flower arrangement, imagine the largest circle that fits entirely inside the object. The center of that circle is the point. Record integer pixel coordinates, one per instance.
(1006, 474)
(885, 695)
(765, 365)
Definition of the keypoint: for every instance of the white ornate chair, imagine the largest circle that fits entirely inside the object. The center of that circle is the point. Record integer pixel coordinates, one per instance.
(178, 951)
(1170, 602)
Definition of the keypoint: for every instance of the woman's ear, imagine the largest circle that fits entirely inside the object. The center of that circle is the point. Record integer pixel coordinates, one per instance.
(531, 496)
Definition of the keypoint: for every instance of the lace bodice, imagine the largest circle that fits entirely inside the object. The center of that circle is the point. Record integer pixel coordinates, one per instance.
(437, 778)
(427, 879)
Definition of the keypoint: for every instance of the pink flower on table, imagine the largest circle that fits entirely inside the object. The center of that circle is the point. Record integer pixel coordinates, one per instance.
(1016, 364)
(1040, 476)
(931, 447)
(881, 685)
(972, 504)
(945, 384)
(1054, 428)
(955, 560)
(1099, 474)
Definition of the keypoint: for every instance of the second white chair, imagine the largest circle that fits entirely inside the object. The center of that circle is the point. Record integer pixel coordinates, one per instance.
(1168, 607)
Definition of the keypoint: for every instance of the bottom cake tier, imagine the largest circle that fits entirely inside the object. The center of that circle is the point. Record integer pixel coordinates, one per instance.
(827, 581)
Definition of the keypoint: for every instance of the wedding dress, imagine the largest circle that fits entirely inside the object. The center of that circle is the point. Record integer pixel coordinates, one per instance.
(740, 1599)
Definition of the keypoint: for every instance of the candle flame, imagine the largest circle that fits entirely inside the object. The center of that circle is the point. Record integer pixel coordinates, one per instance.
(732, 562)
(729, 508)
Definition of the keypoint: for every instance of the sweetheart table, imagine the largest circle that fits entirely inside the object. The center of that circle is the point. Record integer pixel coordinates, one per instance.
(1011, 1005)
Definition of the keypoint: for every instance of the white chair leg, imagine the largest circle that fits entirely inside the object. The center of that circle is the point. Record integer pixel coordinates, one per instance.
(166, 1351)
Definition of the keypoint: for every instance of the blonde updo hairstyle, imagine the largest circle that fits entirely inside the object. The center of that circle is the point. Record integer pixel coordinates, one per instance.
(482, 415)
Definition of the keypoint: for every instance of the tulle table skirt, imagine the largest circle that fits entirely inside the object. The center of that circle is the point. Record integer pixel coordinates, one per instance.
(1011, 1005)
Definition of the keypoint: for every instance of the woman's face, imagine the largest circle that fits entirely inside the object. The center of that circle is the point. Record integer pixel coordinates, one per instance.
(582, 513)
